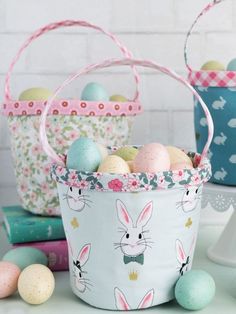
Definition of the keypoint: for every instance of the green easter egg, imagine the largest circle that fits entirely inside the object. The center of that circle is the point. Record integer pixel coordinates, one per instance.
(118, 98)
(195, 290)
(232, 65)
(35, 93)
(94, 92)
(213, 66)
(127, 152)
(25, 256)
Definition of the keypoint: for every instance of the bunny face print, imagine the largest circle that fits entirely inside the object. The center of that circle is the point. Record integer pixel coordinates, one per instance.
(182, 258)
(81, 283)
(133, 242)
(190, 199)
(123, 305)
(76, 200)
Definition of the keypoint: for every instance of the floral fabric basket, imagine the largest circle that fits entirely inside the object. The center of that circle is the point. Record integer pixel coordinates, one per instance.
(130, 236)
(106, 122)
(218, 90)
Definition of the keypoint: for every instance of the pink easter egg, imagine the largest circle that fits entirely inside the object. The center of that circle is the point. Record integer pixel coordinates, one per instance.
(181, 166)
(152, 157)
(9, 274)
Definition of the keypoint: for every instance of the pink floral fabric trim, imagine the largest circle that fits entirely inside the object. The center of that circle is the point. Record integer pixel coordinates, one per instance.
(72, 107)
(212, 78)
(133, 182)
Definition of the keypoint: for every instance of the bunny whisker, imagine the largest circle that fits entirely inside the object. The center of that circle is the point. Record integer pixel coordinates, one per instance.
(145, 245)
(87, 200)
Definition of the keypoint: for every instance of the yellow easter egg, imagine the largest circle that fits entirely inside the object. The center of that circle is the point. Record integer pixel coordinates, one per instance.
(118, 98)
(114, 164)
(35, 93)
(178, 156)
(213, 66)
(131, 165)
(36, 284)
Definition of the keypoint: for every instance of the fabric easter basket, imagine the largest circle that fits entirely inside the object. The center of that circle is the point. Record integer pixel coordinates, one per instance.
(135, 233)
(218, 90)
(68, 119)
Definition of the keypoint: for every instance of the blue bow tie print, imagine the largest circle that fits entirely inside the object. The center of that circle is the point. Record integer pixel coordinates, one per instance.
(138, 259)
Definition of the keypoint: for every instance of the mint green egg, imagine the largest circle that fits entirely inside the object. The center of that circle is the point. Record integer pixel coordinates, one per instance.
(25, 256)
(94, 92)
(83, 155)
(35, 93)
(195, 290)
(127, 153)
(232, 65)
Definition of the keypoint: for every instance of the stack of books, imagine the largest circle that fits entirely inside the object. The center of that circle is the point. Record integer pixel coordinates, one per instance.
(43, 233)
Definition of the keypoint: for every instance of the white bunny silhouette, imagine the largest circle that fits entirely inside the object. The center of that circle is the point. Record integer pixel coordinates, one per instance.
(182, 258)
(76, 200)
(123, 305)
(220, 140)
(220, 175)
(133, 242)
(81, 283)
(190, 199)
(232, 123)
(219, 104)
(232, 159)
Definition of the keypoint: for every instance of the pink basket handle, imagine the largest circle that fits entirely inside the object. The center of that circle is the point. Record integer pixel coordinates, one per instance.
(203, 12)
(119, 62)
(66, 23)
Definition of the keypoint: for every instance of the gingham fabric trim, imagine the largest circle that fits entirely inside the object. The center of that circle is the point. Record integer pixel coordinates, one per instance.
(72, 107)
(213, 78)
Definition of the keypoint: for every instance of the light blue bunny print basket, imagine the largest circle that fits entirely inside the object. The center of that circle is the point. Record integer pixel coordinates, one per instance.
(218, 90)
(131, 236)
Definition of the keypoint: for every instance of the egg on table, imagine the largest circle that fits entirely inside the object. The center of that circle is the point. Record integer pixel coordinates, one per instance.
(94, 92)
(114, 164)
(9, 274)
(152, 157)
(25, 256)
(83, 155)
(36, 284)
(35, 93)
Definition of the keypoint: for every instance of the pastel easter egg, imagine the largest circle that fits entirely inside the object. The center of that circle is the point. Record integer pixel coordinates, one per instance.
(35, 93)
(118, 98)
(131, 165)
(195, 290)
(103, 150)
(232, 65)
(213, 65)
(114, 164)
(152, 157)
(9, 274)
(25, 256)
(180, 166)
(94, 91)
(83, 155)
(36, 284)
(126, 152)
(178, 156)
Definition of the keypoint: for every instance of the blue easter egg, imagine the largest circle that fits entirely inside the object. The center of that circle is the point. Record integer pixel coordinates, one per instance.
(195, 290)
(25, 256)
(83, 155)
(94, 92)
(232, 65)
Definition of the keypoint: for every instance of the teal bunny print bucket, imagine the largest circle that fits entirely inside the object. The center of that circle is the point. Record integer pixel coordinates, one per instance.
(130, 236)
(218, 91)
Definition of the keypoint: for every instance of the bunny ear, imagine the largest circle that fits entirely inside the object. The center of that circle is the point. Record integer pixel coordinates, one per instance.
(123, 214)
(180, 253)
(84, 254)
(147, 300)
(121, 302)
(145, 214)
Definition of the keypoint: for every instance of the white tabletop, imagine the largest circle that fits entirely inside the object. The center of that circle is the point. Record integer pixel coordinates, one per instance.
(64, 301)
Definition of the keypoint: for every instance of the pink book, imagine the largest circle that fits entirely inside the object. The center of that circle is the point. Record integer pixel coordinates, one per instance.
(56, 251)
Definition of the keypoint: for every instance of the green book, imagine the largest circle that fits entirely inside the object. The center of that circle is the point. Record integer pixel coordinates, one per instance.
(22, 226)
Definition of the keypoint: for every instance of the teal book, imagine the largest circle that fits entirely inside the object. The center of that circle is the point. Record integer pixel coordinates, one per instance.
(22, 226)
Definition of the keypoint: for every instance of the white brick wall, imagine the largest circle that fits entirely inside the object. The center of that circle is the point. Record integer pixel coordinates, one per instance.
(152, 29)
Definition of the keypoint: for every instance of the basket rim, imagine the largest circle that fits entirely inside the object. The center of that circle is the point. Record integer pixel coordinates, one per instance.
(134, 182)
(212, 78)
(72, 107)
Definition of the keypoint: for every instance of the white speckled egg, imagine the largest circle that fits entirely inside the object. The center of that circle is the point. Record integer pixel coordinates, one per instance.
(114, 164)
(36, 284)
(152, 157)
(9, 274)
